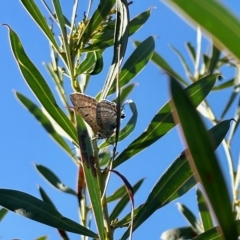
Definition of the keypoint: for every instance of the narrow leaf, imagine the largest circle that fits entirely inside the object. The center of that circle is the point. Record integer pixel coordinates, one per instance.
(124, 200)
(43, 120)
(37, 210)
(39, 86)
(135, 63)
(137, 22)
(208, 14)
(192, 51)
(183, 61)
(36, 14)
(91, 175)
(214, 233)
(3, 212)
(176, 181)
(120, 44)
(202, 159)
(99, 63)
(196, 226)
(204, 211)
(160, 62)
(98, 17)
(87, 64)
(63, 30)
(179, 233)
(54, 180)
(163, 121)
(224, 85)
(214, 59)
(47, 199)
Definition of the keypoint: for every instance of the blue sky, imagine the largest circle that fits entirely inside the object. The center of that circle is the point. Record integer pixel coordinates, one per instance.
(24, 142)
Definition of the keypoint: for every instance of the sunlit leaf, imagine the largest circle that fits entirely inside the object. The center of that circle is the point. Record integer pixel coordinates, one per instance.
(37, 210)
(38, 85)
(225, 31)
(120, 44)
(36, 14)
(204, 210)
(54, 180)
(43, 120)
(163, 122)
(201, 158)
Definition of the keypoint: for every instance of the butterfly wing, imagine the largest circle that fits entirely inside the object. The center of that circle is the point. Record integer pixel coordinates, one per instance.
(106, 117)
(86, 107)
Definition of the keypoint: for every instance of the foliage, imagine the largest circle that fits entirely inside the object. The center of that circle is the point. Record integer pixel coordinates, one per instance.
(77, 56)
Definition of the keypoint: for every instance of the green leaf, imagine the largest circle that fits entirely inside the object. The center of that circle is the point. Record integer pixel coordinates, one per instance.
(98, 46)
(214, 233)
(124, 222)
(176, 181)
(43, 120)
(135, 63)
(42, 238)
(3, 212)
(36, 14)
(178, 233)
(214, 59)
(202, 160)
(98, 17)
(192, 51)
(124, 200)
(57, 77)
(54, 180)
(47, 199)
(183, 61)
(104, 156)
(224, 85)
(204, 211)
(64, 37)
(233, 95)
(125, 91)
(160, 62)
(37, 210)
(87, 64)
(163, 121)
(39, 86)
(99, 63)
(195, 224)
(91, 173)
(225, 31)
(137, 22)
(104, 39)
(120, 44)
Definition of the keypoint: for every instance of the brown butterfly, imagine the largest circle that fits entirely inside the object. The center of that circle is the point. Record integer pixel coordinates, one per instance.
(101, 116)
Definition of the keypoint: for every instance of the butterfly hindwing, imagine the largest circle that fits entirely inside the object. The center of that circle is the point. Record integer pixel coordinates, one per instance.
(107, 117)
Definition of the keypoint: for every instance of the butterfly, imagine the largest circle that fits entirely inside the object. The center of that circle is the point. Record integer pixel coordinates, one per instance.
(100, 116)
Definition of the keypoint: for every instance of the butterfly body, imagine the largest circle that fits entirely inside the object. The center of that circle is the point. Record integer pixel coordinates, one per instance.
(101, 116)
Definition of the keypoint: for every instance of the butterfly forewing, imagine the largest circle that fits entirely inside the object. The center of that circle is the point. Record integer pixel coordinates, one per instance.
(86, 106)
